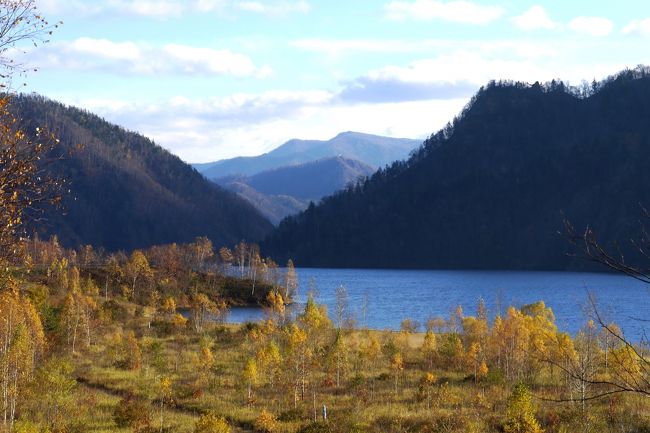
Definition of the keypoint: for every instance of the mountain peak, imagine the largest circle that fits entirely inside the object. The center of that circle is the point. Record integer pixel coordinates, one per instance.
(372, 150)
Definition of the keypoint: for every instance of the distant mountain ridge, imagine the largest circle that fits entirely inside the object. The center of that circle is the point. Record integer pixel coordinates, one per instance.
(287, 190)
(491, 189)
(372, 150)
(127, 192)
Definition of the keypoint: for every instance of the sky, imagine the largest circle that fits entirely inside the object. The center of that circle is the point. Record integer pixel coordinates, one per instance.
(213, 79)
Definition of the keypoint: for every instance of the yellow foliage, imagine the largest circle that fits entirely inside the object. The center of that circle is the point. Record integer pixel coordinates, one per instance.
(211, 423)
(266, 422)
(520, 413)
(249, 374)
(179, 321)
(482, 371)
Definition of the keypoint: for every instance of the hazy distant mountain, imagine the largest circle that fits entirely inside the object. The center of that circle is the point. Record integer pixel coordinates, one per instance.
(490, 190)
(285, 191)
(127, 192)
(372, 150)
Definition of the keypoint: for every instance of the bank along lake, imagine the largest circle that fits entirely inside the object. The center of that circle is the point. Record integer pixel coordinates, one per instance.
(381, 299)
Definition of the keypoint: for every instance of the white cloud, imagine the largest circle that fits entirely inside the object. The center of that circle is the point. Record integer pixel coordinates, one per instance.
(105, 48)
(461, 67)
(131, 58)
(339, 47)
(534, 18)
(460, 11)
(638, 27)
(209, 129)
(460, 73)
(152, 8)
(409, 101)
(591, 26)
(170, 8)
(274, 8)
(207, 61)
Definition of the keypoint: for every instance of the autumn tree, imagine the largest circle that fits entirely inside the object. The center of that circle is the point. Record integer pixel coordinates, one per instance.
(113, 273)
(138, 269)
(249, 376)
(203, 361)
(53, 394)
(201, 250)
(269, 359)
(164, 395)
(369, 350)
(77, 312)
(276, 307)
(273, 274)
(585, 362)
(341, 308)
(426, 384)
(200, 307)
(226, 256)
(22, 342)
(87, 256)
(132, 351)
(296, 354)
(429, 347)
(637, 379)
(254, 265)
(338, 356)
(240, 253)
(290, 281)
(397, 366)
(26, 187)
(520, 413)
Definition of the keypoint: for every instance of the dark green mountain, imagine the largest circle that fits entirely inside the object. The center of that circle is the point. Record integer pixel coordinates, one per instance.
(373, 150)
(127, 192)
(288, 190)
(490, 190)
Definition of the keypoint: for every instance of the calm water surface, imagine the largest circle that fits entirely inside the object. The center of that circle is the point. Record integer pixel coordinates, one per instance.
(393, 295)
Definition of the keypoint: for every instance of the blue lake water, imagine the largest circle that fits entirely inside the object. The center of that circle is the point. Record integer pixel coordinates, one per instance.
(393, 295)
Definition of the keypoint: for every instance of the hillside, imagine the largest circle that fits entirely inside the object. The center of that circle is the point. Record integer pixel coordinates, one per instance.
(490, 190)
(373, 150)
(274, 207)
(288, 190)
(127, 192)
(312, 180)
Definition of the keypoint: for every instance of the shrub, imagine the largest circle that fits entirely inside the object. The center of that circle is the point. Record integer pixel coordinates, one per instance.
(132, 411)
(357, 380)
(163, 328)
(211, 423)
(316, 427)
(115, 311)
(291, 415)
(266, 422)
(383, 377)
(520, 414)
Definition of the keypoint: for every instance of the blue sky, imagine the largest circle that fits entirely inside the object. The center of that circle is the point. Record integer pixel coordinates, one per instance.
(210, 79)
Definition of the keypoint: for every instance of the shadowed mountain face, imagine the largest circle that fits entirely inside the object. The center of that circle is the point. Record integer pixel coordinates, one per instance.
(490, 191)
(127, 192)
(287, 190)
(372, 150)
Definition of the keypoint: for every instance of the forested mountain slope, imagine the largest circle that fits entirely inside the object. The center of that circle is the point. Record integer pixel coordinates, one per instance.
(126, 191)
(490, 190)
